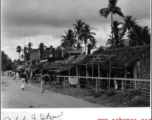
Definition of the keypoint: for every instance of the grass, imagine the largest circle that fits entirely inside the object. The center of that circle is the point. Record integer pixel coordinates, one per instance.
(112, 98)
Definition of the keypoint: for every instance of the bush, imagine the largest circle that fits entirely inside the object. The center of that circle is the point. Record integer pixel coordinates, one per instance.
(110, 93)
(138, 101)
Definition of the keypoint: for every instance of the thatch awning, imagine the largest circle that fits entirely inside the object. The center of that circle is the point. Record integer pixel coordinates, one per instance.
(122, 57)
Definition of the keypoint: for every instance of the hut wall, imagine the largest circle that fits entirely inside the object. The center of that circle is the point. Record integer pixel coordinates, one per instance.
(145, 65)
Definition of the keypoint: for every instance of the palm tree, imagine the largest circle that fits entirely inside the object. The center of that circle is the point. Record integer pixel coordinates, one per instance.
(93, 43)
(30, 47)
(26, 53)
(113, 9)
(69, 39)
(78, 30)
(145, 34)
(140, 36)
(129, 24)
(87, 34)
(117, 40)
(79, 47)
(18, 49)
(41, 47)
(137, 35)
(89, 48)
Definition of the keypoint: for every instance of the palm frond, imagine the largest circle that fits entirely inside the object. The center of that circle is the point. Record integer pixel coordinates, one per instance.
(117, 10)
(113, 2)
(104, 12)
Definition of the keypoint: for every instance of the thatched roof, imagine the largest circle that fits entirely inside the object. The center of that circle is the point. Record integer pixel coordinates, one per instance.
(122, 57)
(65, 64)
(116, 57)
(39, 65)
(70, 50)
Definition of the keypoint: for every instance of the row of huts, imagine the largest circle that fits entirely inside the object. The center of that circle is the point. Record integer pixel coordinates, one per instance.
(128, 62)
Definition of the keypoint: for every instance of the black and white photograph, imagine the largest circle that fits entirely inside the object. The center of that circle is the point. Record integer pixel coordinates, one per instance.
(75, 53)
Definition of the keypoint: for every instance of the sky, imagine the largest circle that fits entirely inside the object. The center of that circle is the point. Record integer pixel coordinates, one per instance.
(47, 20)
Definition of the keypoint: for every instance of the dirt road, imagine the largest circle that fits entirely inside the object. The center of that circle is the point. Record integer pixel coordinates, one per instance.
(13, 97)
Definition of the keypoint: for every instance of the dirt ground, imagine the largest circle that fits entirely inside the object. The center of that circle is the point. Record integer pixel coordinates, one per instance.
(13, 97)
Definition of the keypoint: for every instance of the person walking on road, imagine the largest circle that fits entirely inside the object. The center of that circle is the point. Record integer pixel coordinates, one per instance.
(23, 82)
(42, 82)
(26, 82)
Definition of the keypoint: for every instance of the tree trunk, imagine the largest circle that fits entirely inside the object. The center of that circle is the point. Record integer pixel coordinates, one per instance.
(112, 26)
(85, 48)
(19, 55)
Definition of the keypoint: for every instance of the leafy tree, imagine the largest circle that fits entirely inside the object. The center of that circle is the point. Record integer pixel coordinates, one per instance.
(93, 43)
(139, 36)
(18, 49)
(6, 62)
(113, 9)
(69, 39)
(87, 35)
(117, 40)
(89, 48)
(78, 31)
(79, 47)
(136, 34)
(42, 49)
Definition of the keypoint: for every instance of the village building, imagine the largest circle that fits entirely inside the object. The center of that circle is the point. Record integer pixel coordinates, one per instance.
(98, 69)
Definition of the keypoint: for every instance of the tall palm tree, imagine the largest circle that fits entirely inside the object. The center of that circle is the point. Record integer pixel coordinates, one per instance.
(87, 34)
(113, 9)
(93, 43)
(117, 40)
(129, 24)
(18, 49)
(135, 32)
(140, 36)
(89, 48)
(41, 47)
(78, 30)
(69, 39)
(145, 32)
(79, 47)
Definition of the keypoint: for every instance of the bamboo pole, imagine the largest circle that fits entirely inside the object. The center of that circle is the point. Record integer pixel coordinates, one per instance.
(77, 74)
(109, 74)
(86, 74)
(64, 82)
(99, 75)
(96, 86)
(123, 81)
(92, 73)
(135, 85)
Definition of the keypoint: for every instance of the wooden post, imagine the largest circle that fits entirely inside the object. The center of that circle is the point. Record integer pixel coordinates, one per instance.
(135, 85)
(109, 74)
(123, 81)
(77, 74)
(96, 86)
(69, 70)
(86, 74)
(64, 82)
(92, 74)
(99, 75)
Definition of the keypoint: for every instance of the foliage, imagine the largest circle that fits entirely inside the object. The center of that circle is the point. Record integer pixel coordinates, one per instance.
(140, 102)
(113, 9)
(6, 62)
(42, 49)
(88, 35)
(134, 34)
(69, 39)
(18, 49)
